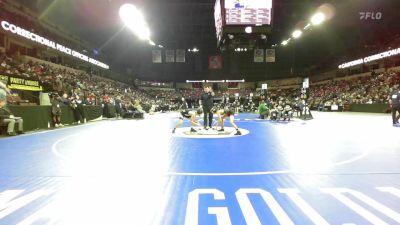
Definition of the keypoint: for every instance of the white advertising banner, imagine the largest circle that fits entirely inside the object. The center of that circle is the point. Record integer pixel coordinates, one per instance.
(258, 55)
(170, 56)
(157, 56)
(180, 55)
(270, 55)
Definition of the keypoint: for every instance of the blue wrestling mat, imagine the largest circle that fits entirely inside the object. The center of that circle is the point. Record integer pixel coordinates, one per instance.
(340, 168)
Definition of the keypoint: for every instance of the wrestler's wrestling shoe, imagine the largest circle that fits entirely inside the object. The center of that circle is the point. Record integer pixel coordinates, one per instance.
(192, 130)
(238, 132)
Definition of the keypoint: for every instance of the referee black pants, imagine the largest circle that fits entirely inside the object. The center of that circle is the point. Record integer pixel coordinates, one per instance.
(208, 117)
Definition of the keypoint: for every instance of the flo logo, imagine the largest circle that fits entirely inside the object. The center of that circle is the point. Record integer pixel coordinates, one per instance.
(370, 15)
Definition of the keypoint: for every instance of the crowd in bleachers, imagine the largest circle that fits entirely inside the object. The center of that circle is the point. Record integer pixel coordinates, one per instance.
(92, 89)
(86, 87)
(374, 88)
(365, 90)
(194, 94)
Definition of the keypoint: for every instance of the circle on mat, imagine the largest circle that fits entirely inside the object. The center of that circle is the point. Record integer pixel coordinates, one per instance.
(229, 132)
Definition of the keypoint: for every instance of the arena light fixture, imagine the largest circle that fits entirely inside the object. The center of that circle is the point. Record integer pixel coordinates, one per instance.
(318, 18)
(134, 20)
(296, 34)
(152, 43)
(248, 30)
(193, 50)
(160, 46)
(284, 42)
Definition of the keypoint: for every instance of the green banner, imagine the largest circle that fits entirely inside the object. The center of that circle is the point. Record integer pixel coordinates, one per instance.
(39, 117)
(19, 83)
(371, 108)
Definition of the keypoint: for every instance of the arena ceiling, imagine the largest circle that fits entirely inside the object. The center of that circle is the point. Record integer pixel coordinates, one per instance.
(189, 23)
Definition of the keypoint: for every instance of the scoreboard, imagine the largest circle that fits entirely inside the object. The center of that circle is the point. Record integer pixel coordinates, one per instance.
(248, 12)
(233, 16)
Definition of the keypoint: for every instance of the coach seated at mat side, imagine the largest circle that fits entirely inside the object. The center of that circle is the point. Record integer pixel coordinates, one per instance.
(133, 111)
(7, 118)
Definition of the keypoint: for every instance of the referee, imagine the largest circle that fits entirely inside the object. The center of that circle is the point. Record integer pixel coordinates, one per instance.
(207, 102)
(395, 104)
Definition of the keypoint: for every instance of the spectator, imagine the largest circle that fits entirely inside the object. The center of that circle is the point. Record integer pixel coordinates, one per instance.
(7, 118)
(263, 110)
(56, 103)
(77, 107)
(118, 107)
(395, 104)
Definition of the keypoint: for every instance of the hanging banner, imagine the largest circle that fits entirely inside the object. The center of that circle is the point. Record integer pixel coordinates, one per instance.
(169, 56)
(258, 55)
(14, 82)
(180, 55)
(215, 62)
(157, 56)
(270, 55)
